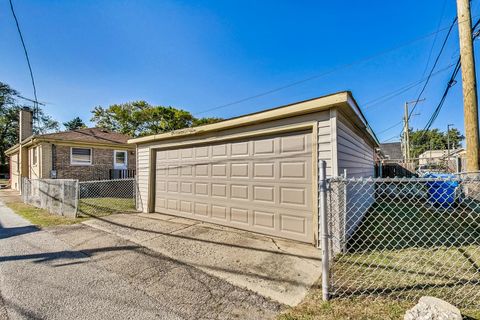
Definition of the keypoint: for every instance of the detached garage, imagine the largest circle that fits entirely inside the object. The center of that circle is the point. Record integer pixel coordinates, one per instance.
(256, 172)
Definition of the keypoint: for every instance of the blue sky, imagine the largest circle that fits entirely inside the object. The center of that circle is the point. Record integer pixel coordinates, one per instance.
(197, 55)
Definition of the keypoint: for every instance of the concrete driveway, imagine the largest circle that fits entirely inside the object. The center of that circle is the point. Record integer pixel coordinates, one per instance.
(79, 272)
(279, 269)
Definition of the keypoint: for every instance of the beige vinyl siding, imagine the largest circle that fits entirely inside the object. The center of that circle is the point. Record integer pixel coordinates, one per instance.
(143, 169)
(354, 152)
(325, 141)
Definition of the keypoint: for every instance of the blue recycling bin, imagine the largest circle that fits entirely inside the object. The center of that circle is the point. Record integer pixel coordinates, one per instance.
(441, 192)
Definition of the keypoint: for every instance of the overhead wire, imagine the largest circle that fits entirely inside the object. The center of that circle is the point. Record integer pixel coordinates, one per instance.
(344, 66)
(35, 101)
(450, 84)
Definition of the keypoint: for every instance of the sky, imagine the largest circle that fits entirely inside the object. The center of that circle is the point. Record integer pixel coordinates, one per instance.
(199, 55)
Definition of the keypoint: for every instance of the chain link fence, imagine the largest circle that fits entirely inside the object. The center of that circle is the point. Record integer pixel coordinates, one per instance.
(404, 238)
(104, 197)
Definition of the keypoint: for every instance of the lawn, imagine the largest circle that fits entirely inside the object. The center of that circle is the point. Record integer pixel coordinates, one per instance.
(98, 207)
(313, 307)
(402, 250)
(406, 251)
(40, 217)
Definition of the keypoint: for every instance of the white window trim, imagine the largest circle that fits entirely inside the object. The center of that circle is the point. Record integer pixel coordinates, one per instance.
(115, 166)
(81, 163)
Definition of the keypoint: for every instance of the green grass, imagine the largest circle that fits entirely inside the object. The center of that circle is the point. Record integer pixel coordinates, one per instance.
(407, 251)
(105, 206)
(41, 217)
(399, 253)
(355, 308)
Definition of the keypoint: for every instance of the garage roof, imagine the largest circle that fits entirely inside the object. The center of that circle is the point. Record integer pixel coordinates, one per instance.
(342, 99)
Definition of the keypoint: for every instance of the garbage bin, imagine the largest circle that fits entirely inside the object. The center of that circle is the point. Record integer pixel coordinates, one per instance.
(441, 192)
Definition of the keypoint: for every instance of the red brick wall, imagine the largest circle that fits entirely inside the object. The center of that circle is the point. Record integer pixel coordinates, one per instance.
(102, 162)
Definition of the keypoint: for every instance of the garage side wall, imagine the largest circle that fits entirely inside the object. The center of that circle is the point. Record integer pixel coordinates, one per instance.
(143, 169)
(355, 153)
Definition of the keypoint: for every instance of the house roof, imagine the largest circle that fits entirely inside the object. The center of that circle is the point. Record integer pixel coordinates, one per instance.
(342, 99)
(91, 136)
(95, 135)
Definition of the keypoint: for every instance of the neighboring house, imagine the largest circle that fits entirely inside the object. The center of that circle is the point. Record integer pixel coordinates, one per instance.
(392, 152)
(258, 172)
(83, 154)
(438, 157)
(453, 161)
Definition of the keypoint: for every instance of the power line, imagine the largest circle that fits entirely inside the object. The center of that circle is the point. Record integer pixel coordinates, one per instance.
(450, 84)
(35, 108)
(433, 67)
(394, 126)
(434, 39)
(402, 89)
(329, 71)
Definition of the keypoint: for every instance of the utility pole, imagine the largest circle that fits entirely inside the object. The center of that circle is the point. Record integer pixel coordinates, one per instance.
(470, 107)
(406, 130)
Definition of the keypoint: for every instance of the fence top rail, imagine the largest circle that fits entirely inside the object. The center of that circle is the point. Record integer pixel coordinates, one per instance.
(52, 180)
(104, 181)
(405, 179)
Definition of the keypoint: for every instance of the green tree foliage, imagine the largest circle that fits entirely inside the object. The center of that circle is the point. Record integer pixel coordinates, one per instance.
(9, 110)
(139, 118)
(74, 124)
(433, 139)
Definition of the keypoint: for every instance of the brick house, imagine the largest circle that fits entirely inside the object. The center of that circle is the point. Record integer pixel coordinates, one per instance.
(83, 154)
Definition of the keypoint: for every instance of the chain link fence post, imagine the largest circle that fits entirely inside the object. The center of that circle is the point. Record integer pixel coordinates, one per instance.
(323, 227)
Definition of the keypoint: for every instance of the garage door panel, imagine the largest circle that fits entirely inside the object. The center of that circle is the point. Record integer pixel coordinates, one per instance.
(262, 185)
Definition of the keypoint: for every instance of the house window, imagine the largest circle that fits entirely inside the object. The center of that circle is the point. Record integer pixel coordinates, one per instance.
(120, 159)
(34, 156)
(81, 156)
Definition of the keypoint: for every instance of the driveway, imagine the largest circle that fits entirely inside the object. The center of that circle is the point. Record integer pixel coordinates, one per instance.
(80, 272)
(282, 270)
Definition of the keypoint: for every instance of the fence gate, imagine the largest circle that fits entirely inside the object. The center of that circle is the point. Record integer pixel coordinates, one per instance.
(405, 238)
(104, 197)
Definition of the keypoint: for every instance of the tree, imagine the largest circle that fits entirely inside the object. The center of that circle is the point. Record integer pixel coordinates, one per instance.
(74, 124)
(139, 118)
(203, 121)
(434, 139)
(9, 110)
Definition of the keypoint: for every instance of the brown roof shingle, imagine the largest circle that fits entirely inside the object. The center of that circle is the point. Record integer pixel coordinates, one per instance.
(93, 135)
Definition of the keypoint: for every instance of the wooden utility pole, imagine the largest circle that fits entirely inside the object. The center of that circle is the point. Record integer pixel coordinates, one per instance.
(407, 134)
(470, 107)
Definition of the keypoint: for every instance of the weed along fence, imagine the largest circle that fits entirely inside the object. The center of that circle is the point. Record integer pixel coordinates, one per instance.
(56, 196)
(402, 238)
(71, 198)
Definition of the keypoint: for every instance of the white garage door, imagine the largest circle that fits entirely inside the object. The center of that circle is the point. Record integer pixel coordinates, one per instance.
(261, 184)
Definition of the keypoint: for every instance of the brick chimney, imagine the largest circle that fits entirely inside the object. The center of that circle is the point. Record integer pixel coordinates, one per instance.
(26, 123)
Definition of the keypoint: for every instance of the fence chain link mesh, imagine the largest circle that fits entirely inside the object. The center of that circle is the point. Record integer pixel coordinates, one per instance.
(405, 238)
(104, 197)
